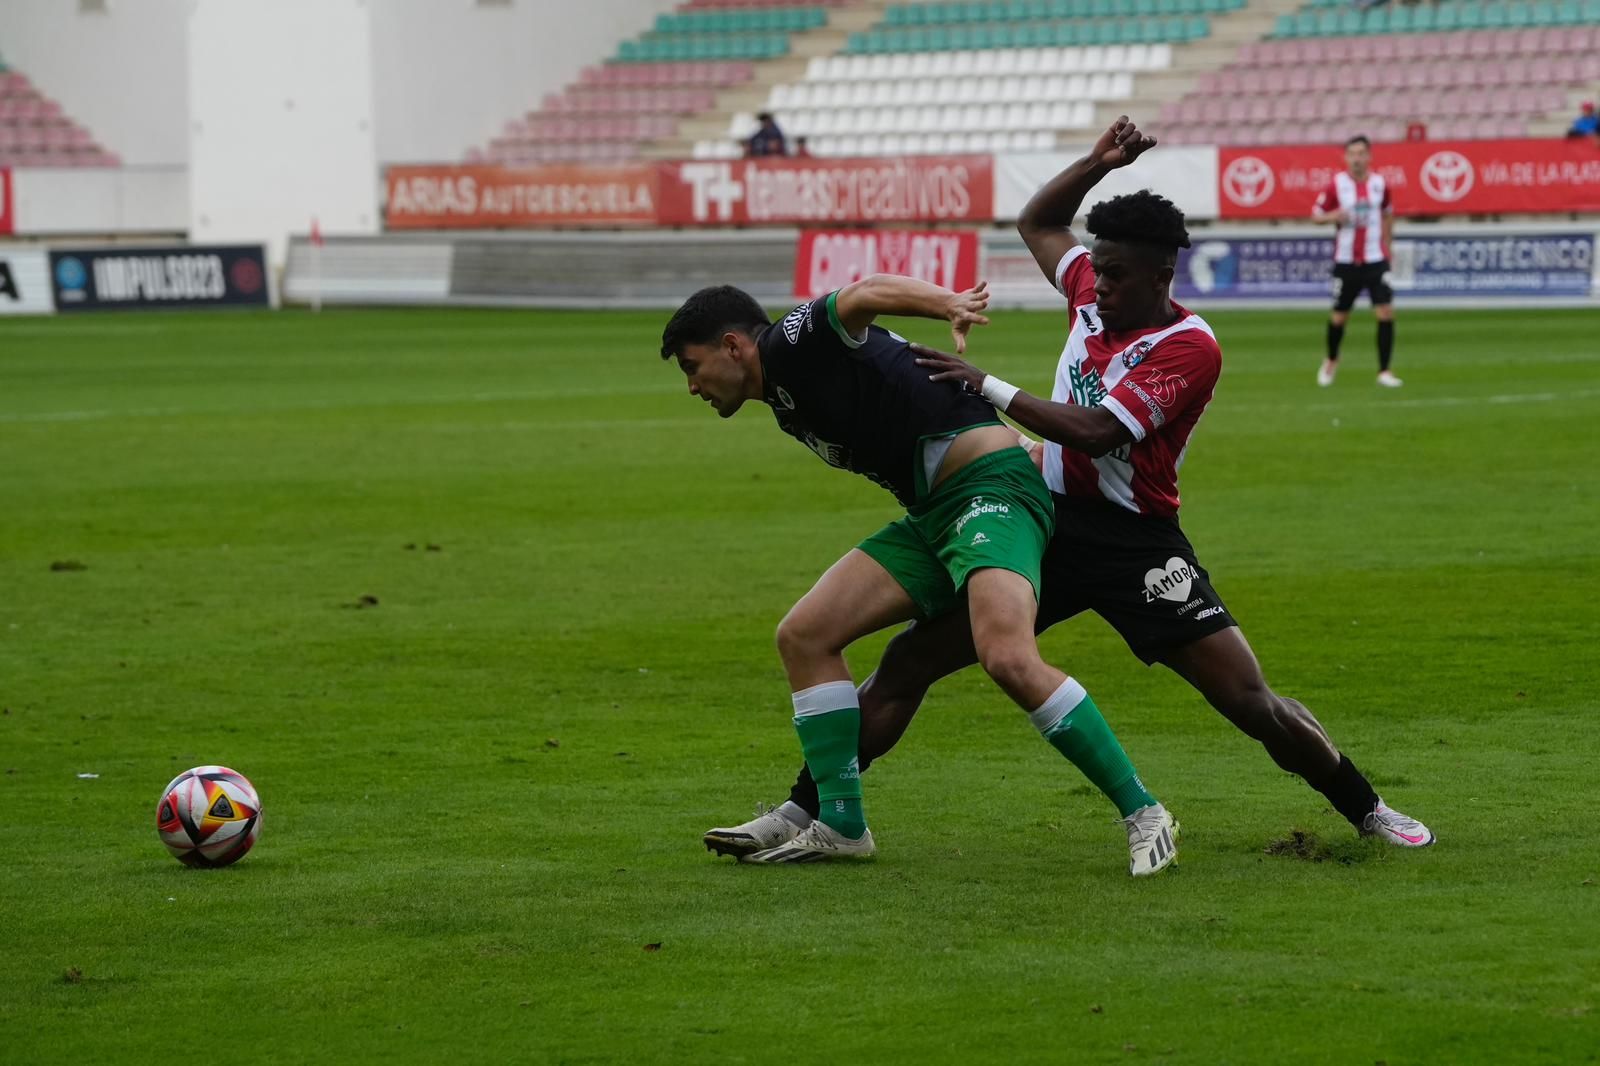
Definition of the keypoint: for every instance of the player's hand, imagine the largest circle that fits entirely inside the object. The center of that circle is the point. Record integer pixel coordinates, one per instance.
(965, 311)
(1121, 144)
(946, 367)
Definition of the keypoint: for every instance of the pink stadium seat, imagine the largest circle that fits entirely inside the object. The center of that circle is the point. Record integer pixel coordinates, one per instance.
(1481, 43)
(1429, 45)
(1457, 45)
(1297, 80)
(1507, 43)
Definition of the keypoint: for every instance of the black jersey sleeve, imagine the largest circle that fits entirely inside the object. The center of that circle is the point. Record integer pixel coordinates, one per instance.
(814, 329)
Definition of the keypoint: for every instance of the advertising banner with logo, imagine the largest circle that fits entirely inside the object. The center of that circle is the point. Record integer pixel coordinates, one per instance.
(475, 197)
(24, 281)
(746, 191)
(1464, 264)
(102, 279)
(1425, 178)
(8, 222)
(826, 260)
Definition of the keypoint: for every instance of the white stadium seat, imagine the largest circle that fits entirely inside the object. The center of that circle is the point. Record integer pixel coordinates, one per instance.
(900, 65)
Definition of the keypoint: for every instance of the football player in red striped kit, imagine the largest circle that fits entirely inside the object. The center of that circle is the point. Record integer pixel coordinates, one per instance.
(1133, 380)
(1358, 205)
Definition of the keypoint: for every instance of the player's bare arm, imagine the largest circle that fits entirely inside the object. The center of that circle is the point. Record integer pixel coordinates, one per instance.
(889, 294)
(1094, 431)
(1046, 222)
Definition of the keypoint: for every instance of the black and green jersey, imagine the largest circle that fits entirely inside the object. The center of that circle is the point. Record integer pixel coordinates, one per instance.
(861, 403)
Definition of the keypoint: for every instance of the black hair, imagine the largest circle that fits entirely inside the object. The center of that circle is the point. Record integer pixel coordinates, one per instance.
(1140, 218)
(710, 313)
(1360, 138)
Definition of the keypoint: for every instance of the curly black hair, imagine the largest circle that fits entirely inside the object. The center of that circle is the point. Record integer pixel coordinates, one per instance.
(710, 313)
(1140, 218)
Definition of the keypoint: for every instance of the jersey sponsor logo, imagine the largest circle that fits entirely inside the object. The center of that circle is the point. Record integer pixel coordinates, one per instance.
(784, 398)
(1172, 583)
(794, 321)
(980, 538)
(832, 454)
(1248, 181)
(978, 507)
(1135, 355)
(1158, 417)
(1447, 176)
(1087, 387)
(1089, 322)
(1209, 612)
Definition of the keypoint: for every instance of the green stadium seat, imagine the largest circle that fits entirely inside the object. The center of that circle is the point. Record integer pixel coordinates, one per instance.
(938, 39)
(1469, 16)
(1591, 11)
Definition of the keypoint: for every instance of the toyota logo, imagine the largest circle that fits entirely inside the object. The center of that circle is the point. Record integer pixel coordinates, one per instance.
(1447, 176)
(1248, 181)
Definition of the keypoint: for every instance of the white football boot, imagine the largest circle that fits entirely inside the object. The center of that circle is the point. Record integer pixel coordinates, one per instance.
(817, 843)
(1152, 840)
(1326, 371)
(1387, 380)
(1396, 828)
(769, 828)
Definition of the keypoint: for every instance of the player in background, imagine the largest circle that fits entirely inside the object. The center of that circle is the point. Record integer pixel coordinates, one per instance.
(977, 519)
(1358, 205)
(1133, 380)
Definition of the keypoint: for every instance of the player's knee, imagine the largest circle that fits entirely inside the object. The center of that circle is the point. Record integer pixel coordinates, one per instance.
(801, 639)
(1254, 708)
(1010, 663)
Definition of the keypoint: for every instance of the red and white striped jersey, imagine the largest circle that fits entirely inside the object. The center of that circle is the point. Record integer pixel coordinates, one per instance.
(1367, 203)
(1156, 381)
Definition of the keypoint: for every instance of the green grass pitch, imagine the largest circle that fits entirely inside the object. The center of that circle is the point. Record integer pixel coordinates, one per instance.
(484, 793)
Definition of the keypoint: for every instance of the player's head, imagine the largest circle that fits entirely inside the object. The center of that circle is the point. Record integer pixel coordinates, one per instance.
(1358, 156)
(1137, 237)
(713, 337)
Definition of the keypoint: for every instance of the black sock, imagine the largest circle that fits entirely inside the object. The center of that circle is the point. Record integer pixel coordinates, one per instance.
(1335, 336)
(1349, 791)
(1385, 344)
(804, 792)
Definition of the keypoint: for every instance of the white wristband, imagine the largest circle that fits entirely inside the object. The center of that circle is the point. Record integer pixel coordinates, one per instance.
(998, 392)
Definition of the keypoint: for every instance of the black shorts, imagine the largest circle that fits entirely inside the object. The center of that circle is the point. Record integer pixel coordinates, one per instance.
(1354, 277)
(1138, 572)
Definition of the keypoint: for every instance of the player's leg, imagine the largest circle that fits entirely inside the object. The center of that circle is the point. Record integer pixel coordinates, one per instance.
(993, 546)
(918, 656)
(1349, 289)
(1224, 669)
(1383, 310)
(855, 597)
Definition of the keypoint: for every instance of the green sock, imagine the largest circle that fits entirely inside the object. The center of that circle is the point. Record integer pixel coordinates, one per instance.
(1074, 726)
(828, 719)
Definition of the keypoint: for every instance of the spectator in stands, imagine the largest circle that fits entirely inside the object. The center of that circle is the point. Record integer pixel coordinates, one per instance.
(768, 140)
(800, 149)
(1586, 124)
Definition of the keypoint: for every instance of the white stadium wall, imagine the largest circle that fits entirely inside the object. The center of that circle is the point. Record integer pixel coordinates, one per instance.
(449, 73)
(281, 120)
(120, 71)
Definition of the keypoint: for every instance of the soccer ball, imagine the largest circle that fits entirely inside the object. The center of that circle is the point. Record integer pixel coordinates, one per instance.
(209, 816)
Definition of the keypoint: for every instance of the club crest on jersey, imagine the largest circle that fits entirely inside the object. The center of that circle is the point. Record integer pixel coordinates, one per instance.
(1135, 355)
(794, 321)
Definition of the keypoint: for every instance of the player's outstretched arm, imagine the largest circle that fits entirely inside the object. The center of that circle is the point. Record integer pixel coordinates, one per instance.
(889, 294)
(1091, 430)
(1046, 222)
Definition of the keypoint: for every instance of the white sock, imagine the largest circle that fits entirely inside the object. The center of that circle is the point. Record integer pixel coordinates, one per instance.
(795, 814)
(1053, 711)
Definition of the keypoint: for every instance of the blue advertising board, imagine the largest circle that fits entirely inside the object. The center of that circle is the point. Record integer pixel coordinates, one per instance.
(94, 279)
(1298, 268)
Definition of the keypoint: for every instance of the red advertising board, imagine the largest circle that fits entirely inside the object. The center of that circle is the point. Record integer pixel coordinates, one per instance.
(470, 197)
(830, 259)
(1425, 178)
(8, 222)
(755, 191)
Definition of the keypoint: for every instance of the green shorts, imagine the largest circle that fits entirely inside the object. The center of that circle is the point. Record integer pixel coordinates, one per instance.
(995, 511)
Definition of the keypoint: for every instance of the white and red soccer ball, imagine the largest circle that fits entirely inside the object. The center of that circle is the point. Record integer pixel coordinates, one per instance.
(209, 816)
